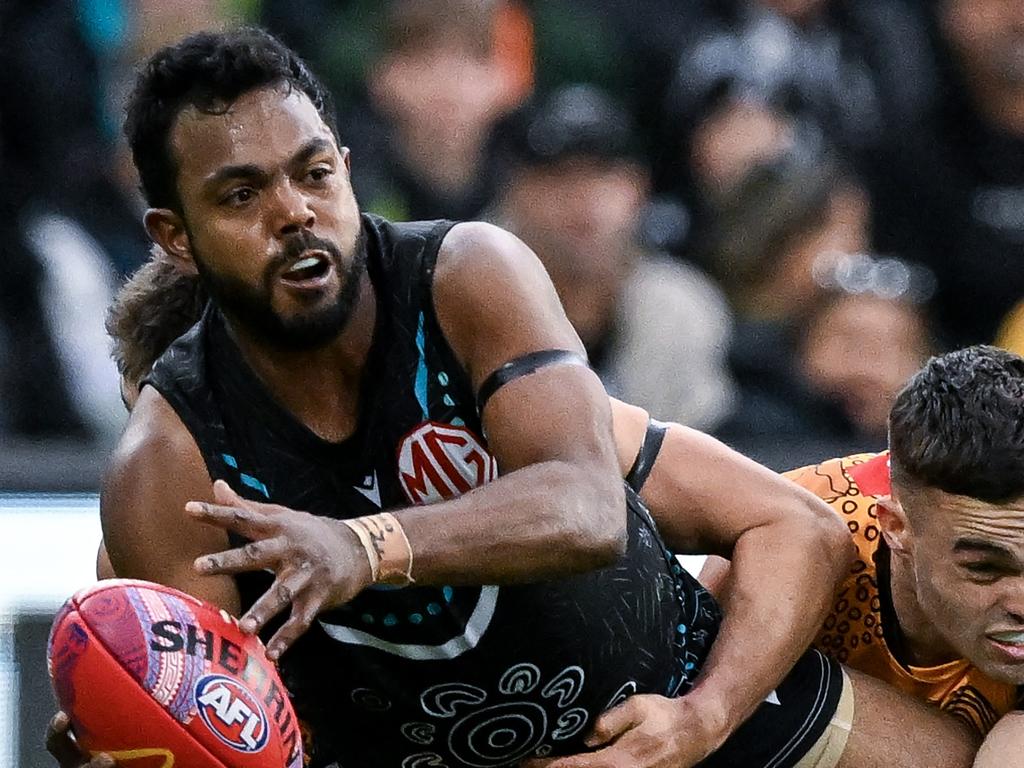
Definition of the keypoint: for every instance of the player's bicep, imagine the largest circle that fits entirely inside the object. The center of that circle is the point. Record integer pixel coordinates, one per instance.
(145, 529)
(496, 306)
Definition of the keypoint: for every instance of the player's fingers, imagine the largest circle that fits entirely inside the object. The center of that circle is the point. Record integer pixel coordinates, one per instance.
(280, 595)
(302, 617)
(254, 556)
(60, 744)
(226, 495)
(615, 722)
(250, 523)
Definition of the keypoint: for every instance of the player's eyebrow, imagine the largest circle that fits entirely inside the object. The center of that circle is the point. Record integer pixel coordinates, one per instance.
(253, 172)
(310, 148)
(979, 546)
(231, 172)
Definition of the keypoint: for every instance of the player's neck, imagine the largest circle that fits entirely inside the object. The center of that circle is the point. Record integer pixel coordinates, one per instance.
(320, 387)
(923, 645)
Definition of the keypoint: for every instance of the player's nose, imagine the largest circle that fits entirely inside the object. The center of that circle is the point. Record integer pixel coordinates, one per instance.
(291, 210)
(1012, 601)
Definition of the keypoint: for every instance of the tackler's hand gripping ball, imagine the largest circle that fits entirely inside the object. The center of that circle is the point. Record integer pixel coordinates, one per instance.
(159, 679)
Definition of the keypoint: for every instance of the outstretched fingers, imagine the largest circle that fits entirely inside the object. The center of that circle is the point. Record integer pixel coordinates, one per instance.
(250, 523)
(253, 556)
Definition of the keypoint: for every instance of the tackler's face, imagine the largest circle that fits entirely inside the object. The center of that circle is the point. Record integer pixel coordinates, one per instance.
(269, 217)
(968, 562)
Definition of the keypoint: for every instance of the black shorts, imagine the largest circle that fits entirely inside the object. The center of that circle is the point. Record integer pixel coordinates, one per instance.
(779, 734)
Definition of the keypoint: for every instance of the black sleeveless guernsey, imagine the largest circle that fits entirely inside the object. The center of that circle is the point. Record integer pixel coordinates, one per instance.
(462, 677)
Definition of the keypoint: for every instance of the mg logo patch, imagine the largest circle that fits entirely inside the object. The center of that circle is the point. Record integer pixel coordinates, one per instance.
(441, 461)
(232, 713)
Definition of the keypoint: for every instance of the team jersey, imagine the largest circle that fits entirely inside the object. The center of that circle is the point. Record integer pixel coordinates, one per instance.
(861, 630)
(460, 676)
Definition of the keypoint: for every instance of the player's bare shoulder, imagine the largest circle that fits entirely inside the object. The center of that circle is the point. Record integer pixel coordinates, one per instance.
(491, 292)
(155, 447)
(155, 470)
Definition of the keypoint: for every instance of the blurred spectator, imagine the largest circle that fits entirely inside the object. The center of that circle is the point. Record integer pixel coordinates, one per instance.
(49, 139)
(773, 226)
(957, 197)
(859, 349)
(810, 317)
(34, 397)
(856, 67)
(655, 329)
(443, 81)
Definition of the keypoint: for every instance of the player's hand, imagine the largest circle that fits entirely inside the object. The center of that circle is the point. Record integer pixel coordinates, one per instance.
(61, 744)
(318, 562)
(646, 731)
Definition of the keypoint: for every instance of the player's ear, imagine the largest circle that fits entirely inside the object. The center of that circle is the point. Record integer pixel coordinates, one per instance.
(167, 229)
(892, 519)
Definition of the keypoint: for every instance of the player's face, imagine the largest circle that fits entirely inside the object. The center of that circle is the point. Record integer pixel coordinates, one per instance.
(269, 214)
(989, 36)
(968, 559)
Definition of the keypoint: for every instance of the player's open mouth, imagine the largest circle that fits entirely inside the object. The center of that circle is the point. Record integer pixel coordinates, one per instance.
(1009, 644)
(310, 271)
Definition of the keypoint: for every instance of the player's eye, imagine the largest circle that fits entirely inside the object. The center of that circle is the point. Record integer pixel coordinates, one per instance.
(319, 173)
(239, 196)
(984, 569)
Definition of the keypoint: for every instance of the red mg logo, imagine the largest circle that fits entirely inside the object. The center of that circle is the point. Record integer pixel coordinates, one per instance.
(441, 461)
(232, 713)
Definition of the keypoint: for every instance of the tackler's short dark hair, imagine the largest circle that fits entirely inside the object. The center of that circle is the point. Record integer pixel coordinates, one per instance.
(958, 425)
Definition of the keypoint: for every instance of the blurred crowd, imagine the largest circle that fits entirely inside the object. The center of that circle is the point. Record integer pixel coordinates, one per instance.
(760, 215)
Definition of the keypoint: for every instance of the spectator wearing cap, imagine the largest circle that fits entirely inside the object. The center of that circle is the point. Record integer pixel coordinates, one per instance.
(655, 329)
(754, 77)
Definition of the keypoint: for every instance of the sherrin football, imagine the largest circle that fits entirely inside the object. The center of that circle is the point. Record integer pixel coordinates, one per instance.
(157, 679)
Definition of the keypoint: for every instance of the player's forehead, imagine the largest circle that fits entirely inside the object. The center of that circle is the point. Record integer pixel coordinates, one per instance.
(966, 523)
(263, 128)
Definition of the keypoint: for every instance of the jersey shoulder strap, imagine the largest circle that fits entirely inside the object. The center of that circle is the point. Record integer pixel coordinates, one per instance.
(647, 455)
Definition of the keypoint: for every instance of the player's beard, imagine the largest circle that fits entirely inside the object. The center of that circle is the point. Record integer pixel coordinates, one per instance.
(251, 307)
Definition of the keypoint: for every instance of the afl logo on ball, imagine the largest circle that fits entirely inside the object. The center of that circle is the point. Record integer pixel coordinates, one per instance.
(232, 713)
(441, 461)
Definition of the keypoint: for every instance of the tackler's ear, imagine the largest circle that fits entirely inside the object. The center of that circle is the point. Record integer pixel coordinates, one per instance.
(892, 519)
(167, 229)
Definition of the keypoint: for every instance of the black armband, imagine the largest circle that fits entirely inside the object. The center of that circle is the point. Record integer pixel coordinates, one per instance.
(524, 366)
(647, 455)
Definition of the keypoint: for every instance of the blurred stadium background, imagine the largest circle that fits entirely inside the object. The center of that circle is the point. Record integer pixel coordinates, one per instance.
(761, 215)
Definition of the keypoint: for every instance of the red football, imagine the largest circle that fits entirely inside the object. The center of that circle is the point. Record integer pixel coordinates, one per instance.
(158, 679)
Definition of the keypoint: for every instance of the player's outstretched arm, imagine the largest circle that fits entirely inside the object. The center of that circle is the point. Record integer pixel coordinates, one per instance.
(788, 550)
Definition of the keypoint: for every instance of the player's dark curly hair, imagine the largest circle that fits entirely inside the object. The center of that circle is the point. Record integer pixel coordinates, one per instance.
(958, 425)
(208, 71)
